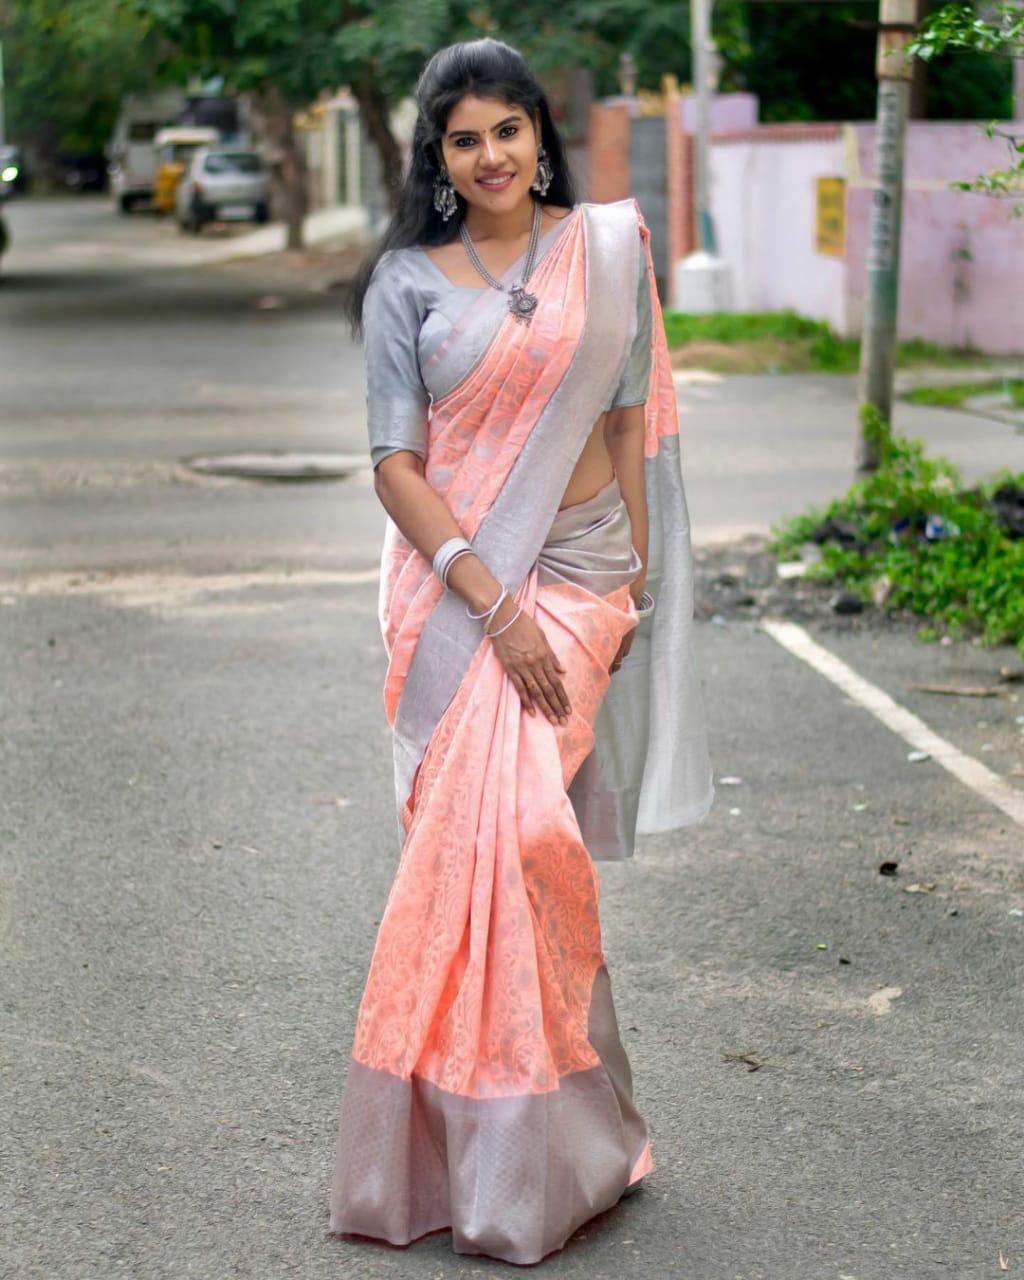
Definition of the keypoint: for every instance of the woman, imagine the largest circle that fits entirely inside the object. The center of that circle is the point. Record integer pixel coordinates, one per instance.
(523, 430)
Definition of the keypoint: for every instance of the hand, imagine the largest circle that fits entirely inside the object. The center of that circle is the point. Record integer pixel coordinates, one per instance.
(624, 648)
(636, 590)
(532, 666)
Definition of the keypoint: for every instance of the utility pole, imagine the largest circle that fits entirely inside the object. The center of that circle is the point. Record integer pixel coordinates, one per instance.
(701, 280)
(700, 50)
(878, 343)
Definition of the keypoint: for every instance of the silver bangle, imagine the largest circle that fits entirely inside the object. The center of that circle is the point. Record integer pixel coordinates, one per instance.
(445, 553)
(488, 614)
(456, 555)
(492, 634)
(645, 605)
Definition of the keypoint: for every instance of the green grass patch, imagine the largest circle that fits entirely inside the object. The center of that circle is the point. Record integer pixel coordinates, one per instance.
(969, 582)
(784, 342)
(959, 392)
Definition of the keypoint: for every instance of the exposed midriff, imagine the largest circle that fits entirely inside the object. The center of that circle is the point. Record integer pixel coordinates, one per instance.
(593, 468)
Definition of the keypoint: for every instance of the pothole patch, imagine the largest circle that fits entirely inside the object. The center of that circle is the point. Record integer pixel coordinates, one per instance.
(279, 464)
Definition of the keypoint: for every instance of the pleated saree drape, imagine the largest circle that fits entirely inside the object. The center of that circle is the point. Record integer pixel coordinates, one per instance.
(488, 1090)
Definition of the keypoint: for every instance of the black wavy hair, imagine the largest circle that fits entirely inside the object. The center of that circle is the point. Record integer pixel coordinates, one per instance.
(486, 68)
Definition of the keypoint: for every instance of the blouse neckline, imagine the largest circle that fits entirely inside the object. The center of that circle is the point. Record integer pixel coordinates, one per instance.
(544, 244)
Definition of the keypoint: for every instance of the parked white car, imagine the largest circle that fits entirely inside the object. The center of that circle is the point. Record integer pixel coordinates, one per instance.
(223, 184)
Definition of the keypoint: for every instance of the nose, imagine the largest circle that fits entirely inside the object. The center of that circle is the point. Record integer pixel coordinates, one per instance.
(492, 152)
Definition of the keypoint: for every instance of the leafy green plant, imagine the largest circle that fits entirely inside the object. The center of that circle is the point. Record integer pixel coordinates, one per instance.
(956, 393)
(789, 342)
(998, 32)
(940, 548)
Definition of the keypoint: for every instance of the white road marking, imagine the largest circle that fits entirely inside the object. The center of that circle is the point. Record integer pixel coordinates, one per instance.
(911, 728)
(183, 595)
(156, 585)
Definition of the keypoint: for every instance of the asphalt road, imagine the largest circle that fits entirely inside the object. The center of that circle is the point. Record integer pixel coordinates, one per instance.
(196, 842)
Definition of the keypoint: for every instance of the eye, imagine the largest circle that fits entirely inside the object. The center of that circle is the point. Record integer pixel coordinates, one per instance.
(508, 130)
(460, 141)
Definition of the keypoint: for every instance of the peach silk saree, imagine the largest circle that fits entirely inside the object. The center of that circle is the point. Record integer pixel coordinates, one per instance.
(488, 1091)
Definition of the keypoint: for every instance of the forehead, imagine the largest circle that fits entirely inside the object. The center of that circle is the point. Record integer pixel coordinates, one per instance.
(480, 114)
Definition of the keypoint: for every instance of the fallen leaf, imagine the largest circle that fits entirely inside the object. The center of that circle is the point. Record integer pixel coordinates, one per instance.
(919, 886)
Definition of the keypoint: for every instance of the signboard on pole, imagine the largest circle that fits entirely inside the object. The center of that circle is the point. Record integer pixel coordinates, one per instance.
(830, 216)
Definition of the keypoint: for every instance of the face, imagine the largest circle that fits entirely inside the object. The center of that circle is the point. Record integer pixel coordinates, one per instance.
(490, 152)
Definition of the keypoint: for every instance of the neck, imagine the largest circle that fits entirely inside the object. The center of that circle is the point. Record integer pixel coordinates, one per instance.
(513, 225)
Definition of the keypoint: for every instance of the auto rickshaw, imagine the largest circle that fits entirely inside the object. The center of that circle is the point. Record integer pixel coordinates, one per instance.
(175, 147)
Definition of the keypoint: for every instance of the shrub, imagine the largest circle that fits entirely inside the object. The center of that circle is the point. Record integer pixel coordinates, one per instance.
(943, 549)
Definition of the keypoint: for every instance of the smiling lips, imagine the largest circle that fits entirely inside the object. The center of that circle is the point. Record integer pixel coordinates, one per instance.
(498, 183)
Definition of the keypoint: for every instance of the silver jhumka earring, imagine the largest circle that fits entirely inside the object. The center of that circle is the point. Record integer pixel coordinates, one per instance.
(542, 178)
(444, 195)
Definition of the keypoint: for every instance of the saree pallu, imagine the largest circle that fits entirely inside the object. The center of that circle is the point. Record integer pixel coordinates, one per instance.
(488, 1089)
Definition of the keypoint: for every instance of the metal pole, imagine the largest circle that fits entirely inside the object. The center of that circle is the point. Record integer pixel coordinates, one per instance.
(878, 344)
(3, 122)
(700, 48)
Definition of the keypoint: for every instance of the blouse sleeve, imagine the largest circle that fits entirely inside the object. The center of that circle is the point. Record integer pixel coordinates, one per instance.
(396, 399)
(636, 376)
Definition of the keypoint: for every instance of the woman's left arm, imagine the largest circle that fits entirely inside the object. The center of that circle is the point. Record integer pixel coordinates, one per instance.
(624, 440)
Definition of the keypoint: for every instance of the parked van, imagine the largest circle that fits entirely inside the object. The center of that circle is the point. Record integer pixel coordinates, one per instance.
(132, 149)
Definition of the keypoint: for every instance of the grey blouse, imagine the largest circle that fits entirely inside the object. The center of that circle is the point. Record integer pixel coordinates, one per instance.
(410, 308)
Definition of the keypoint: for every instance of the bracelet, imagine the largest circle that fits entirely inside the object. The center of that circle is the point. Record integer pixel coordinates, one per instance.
(445, 553)
(489, 613)
(645, 605)
(492, 634)
(456, 555)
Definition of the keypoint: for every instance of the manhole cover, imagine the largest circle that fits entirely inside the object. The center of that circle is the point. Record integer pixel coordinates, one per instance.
(279, 464)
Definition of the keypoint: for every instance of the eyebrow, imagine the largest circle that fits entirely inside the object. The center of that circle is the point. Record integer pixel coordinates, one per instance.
(471, 133)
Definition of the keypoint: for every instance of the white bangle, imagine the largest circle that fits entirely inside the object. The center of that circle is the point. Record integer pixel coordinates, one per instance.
(492, 634)
(446, 552)
(456, 555)
(489, 613)
(645, 605)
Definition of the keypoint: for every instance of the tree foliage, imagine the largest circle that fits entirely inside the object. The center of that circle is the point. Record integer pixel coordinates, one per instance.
(998, 35)
(67, 68)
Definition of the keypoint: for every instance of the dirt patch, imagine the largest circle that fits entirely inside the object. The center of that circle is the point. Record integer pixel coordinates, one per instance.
(764, 355)
(739, 581)
(326, 269)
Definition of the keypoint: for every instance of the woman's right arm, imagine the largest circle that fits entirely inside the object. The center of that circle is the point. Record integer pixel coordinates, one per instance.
(398, 410)
(424, 519)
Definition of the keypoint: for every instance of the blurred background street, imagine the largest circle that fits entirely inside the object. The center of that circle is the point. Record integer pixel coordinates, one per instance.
(199, 834)
(820, 988)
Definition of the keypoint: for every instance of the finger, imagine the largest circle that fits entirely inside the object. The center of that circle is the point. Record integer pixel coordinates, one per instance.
(540, 688)
(559, 689)
(520, 687)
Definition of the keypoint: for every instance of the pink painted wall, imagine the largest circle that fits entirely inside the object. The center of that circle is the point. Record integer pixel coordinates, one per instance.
(729, 111)
(944, 297)
(764, 201)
